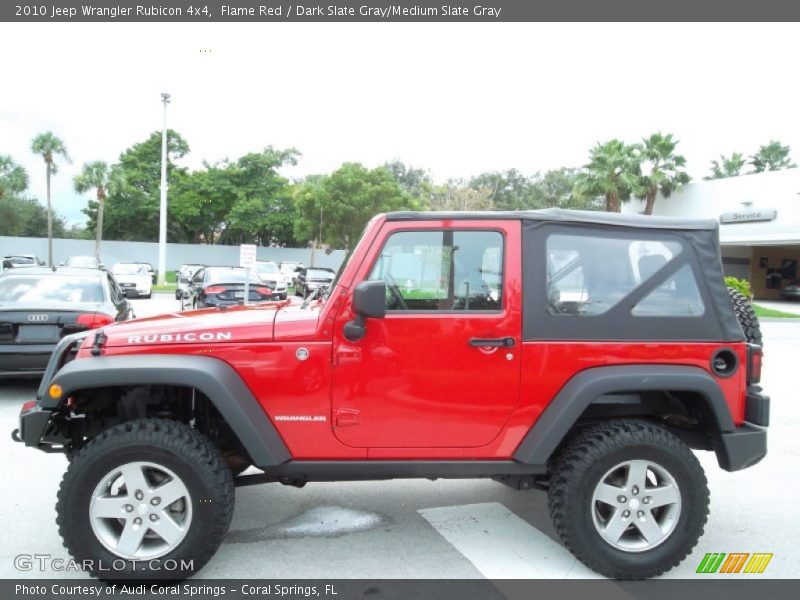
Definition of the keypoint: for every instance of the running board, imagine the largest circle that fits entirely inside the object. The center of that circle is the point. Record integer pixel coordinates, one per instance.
(298, 472)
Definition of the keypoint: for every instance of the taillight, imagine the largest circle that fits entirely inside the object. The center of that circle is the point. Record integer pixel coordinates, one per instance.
(94, 320)
(28, 406)
(264, 291)
(755, 354)
(214, 289)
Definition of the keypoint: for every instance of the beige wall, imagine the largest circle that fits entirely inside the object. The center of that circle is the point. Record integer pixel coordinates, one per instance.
(775, 256)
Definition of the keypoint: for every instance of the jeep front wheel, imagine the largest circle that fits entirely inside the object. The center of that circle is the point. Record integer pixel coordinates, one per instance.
(628, 499)
(149, 498)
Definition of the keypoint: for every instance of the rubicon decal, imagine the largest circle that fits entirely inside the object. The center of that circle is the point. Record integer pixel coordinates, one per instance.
(191, 336)
(735, 562)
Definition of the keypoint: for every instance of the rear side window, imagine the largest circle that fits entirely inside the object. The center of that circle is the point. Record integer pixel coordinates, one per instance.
(588, 276)
(442, 271)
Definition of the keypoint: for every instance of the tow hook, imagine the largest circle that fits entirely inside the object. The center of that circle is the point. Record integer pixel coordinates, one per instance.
(15, 435)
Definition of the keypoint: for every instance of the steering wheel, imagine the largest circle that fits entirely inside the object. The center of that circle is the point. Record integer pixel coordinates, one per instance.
(391, 284)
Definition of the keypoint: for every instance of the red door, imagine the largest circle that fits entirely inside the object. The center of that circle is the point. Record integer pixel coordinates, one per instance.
(442, 369)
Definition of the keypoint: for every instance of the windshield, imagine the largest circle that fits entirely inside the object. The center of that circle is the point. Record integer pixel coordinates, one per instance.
(349, 254)
(127, 269)
(20, 260)
(50, 288)
(230, 276)
(266, 268)
(82, 262)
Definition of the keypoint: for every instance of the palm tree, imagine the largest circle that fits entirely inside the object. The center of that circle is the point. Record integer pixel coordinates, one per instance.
(13, 178)
(98, 175)
(772, 157)
(665, 169)
(613, 172)
(727, 167)
(48, 146)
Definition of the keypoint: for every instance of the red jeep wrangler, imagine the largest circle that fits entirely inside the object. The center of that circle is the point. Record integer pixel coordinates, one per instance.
(581, 353)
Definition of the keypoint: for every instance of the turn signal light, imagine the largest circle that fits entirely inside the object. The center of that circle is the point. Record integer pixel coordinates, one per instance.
(55, 391)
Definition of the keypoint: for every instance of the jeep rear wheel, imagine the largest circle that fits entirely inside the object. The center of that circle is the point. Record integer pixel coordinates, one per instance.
(628, 498)
(142, 491)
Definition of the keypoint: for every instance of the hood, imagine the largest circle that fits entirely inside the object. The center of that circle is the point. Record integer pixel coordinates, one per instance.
(237, 324)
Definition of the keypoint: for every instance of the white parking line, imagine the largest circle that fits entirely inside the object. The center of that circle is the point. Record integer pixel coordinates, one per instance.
(503, 546)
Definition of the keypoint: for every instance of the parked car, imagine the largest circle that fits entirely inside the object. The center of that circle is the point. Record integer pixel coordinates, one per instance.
(791, 291)
(39, 306)
(224, 286)
(183, 277)
(312, 278)
(13, 261)
(591, 355)
(83, 262)
(289, 270)
(133, 279)
(271, 277)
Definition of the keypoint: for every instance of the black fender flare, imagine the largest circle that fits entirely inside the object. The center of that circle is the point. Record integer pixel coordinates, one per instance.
(213, 377)
(579, 392)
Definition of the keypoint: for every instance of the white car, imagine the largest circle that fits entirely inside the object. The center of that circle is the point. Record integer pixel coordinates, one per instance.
(289, 271)
(134, 279)
(269, 274)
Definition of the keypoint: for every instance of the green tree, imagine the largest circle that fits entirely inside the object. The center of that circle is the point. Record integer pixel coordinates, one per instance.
(613, 172)
(456, 196)
(263, 212)
(200, 203)
(49, 147)
(26, 217)
(336, 208)
(555, 189)
(727, 167)
(664, 169)
(772, 157)
(509, 190)
(103, 179)
(415, 181)
(132, 211)
(13, 177)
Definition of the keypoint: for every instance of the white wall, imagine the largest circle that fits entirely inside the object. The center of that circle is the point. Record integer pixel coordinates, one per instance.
(177, 254)
(709, 199)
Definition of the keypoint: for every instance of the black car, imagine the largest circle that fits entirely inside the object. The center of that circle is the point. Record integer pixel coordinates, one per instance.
(791, 291)
(40, 306)
(223, 286)
(313, 278)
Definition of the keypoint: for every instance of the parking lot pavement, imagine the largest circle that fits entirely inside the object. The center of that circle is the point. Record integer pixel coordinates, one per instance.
(425, 529)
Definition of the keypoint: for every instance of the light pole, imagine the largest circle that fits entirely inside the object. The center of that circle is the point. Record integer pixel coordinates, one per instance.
(162, 227)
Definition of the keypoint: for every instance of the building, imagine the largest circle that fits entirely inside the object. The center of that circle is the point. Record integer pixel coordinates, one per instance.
(759, 219)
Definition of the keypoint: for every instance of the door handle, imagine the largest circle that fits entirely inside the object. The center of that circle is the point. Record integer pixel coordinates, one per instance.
(506, 342)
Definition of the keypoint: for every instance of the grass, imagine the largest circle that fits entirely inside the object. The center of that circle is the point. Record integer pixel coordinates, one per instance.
(772, 313)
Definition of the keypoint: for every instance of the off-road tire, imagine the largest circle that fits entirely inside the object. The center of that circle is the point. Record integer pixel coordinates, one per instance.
(171, 444)
(746, 316)
(580, 465)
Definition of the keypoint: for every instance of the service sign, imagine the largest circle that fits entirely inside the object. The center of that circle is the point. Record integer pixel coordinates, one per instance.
(747, 215)
(247, 256)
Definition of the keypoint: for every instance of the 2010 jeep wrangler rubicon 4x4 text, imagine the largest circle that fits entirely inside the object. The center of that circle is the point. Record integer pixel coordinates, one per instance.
(582, 353)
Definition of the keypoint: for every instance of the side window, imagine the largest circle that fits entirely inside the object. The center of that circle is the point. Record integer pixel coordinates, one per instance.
(678, 296)
(442, 270)
(589, 275)
(198, 277)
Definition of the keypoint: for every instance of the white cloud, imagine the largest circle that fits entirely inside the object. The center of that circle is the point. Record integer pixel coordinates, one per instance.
(455, 98)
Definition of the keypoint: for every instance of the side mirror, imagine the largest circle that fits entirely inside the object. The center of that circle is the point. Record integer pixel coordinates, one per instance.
(369, 302)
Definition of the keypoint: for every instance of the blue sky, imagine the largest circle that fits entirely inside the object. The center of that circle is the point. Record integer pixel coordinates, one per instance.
(454, 98)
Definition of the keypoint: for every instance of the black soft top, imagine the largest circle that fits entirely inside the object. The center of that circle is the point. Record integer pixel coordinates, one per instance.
(562, 216)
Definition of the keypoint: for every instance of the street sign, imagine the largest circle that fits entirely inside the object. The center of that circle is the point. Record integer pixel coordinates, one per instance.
(247, 256)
